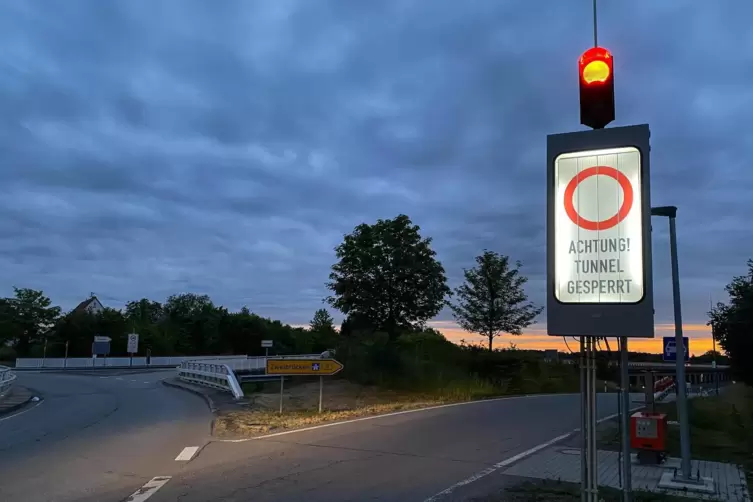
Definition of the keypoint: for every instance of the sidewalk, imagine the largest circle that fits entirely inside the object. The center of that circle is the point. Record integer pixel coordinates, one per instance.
(562, 463)
(16, 398)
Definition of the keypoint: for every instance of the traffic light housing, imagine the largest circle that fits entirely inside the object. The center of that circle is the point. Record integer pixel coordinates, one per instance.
(596, 82)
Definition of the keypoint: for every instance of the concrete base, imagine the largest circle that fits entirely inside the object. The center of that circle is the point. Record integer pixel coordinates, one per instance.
(703, 485)
(669, 462)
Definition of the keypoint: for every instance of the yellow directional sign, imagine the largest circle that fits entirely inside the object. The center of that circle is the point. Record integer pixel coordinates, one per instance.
(321, 367)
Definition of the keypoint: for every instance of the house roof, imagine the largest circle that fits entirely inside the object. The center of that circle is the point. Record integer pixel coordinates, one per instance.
(85, 304)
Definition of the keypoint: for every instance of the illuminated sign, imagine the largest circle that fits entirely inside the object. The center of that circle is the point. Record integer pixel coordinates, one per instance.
(598, 224)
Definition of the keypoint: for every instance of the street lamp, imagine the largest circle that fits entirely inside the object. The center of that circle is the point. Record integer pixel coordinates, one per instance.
(682, 399)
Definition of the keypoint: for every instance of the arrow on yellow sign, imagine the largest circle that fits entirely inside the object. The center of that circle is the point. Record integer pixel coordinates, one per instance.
(322, 367)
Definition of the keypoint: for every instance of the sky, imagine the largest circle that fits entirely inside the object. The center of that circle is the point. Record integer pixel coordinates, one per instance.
(152, 148)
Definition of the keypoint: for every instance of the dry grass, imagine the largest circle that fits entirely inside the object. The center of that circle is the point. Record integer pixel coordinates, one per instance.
(342, 400)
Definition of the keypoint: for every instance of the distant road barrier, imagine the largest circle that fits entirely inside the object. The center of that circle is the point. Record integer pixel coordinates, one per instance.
(7, 377)
(112, 362)
(227, 375)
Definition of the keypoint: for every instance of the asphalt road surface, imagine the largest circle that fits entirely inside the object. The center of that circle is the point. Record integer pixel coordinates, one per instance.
(404, 457)
(101, 438)
(96, 437)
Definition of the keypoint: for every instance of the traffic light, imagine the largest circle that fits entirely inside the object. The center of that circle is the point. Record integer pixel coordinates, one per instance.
(596, 81)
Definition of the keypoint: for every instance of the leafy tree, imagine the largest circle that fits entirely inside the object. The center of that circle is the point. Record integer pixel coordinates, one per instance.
(27, 319)
(732, 325)
(388, 276)
(322, 322)
(492, 300)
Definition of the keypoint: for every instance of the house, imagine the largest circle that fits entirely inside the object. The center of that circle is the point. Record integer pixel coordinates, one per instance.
(90, 306)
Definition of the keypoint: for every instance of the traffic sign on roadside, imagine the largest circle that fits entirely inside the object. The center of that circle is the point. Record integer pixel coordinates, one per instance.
(599, 234)
(317, 367)
(669, 350)
(133, 343)
(267, 344)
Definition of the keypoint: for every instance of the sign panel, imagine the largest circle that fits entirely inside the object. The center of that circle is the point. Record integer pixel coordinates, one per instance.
(133, 343)
(669, 350)
(102, 339)
(599, 280)
(323, 367)
(100, 348)
(267, 343)
(598, 216)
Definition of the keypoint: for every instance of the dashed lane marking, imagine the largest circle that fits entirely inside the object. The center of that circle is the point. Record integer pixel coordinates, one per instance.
(187, 453)
(149, 489)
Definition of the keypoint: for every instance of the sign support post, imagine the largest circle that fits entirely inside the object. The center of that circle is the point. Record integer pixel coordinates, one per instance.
(282, 386)
(625, 418)
(321, 392)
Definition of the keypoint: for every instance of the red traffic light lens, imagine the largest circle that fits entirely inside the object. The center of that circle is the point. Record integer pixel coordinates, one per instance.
(595, 66)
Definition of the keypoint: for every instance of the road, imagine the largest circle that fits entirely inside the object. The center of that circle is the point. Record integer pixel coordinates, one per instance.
(100, 439)
(96, 437)
(404, 457)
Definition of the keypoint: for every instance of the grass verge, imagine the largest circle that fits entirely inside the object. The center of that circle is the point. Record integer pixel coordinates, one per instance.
(342, 400)
(558, 491)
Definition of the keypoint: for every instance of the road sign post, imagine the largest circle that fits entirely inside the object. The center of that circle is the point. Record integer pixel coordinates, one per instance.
(669, 348)
(133, 345)
(266, 345)
(303, 367)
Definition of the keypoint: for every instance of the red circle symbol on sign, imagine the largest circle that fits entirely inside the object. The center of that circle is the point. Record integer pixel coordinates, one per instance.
(627, 201)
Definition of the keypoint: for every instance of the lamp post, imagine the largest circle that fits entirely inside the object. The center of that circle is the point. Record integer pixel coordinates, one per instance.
(682, 398)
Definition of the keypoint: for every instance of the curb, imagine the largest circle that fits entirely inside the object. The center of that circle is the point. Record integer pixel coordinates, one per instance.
(17, 406)
(207, 399)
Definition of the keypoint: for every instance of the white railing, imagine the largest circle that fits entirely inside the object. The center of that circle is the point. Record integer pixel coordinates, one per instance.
(211, 374)
(7, 377)
(110, 362)
(221, 374)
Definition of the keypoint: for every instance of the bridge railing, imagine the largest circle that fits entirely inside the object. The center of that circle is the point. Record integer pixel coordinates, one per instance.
(226, 375)
(111, 362)
(216, 375)
(7, 377)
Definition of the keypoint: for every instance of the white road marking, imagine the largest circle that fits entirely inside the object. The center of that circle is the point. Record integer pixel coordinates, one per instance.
(146, 382)
(506, 462)
(187, 453)
(118, 378)
(392, 414)
(21, 412)
(148, 489)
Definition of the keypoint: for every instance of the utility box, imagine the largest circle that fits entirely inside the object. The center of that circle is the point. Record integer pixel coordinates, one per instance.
(648, 431)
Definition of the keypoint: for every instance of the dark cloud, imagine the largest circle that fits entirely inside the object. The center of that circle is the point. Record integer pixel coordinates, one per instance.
(226, 147)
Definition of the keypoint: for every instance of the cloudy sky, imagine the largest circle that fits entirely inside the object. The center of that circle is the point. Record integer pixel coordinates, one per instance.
(224, 147)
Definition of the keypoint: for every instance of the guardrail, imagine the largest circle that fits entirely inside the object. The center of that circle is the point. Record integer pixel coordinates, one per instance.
(7, 377)
(113, 362)
(226, 375)
(215, 375)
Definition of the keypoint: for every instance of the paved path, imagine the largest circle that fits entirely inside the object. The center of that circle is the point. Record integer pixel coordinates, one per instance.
(403, 457)
(96, 437)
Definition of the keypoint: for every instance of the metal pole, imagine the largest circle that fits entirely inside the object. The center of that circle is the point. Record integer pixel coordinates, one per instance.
(321, 387)
(65, 359)
(619, 427)
(682, 398)
(44, 352)
(282, 386)
(627, 485)
(594, 467)
(583, 430)
(596, 41)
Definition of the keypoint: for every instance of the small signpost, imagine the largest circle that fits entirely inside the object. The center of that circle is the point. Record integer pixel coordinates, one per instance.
(133, 345)
(303, 367)
(100, 347)
(669, 348)
(266, 345)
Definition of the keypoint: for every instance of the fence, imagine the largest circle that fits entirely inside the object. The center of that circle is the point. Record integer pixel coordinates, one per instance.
(7, 377)
(112, 362)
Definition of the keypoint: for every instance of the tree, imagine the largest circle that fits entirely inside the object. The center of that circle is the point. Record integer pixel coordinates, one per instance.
(732, 325)
(492, 300)
(388, 276)
(322, 322)
(27, 319)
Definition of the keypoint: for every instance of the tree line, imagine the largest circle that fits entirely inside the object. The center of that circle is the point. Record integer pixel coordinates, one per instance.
(386, 279)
